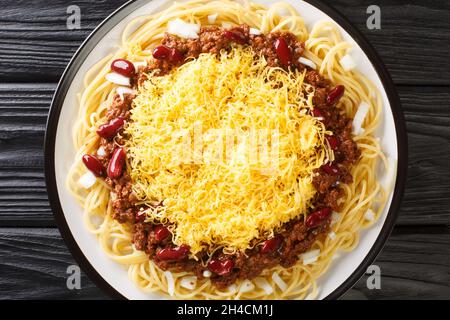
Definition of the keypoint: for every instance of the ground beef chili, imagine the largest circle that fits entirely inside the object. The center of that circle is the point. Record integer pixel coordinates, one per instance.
(280, 49)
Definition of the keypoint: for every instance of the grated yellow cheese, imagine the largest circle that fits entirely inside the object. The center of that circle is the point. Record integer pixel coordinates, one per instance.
(225, 197)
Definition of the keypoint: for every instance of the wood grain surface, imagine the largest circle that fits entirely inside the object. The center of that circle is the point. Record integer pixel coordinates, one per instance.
(35, 47)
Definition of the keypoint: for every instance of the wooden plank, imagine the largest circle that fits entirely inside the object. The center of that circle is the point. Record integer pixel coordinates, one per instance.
(23, 114)
(33, 264)
(35, 45)
(23, 109)
(415, 264)
(427, 113)
(23, 198)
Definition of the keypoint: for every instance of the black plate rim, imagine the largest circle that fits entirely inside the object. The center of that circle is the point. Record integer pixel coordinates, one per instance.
(121, 13)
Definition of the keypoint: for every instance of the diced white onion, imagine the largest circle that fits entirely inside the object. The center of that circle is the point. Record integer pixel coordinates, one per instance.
(212, 18)
(113, 196)
(232, 287)
(189, 282)
(207, 273)
(263, 284)
(335, 217)
(170, 283)
(87, 180)
(246, 286)
(182, 29)
(139, 64)
(101, 152)
(358, 120)
(307, 62)
(347, 62)
(254, 31)
(279, 282)
(119, 79)
(125, 90)
(283, 11)
(310, 256)
(332, 235)
(226, 25)
(369, 215)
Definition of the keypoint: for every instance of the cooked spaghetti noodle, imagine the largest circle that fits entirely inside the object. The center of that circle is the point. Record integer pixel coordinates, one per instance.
(363, 197)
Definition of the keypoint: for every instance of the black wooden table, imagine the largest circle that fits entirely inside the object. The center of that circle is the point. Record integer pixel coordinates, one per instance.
(35, 47)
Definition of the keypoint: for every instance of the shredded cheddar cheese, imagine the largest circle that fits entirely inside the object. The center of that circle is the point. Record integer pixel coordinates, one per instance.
(228, 145)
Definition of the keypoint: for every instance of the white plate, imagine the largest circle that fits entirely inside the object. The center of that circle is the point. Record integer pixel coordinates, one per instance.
(59, 151)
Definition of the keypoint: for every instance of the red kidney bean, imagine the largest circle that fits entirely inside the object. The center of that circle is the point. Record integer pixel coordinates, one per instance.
(316, 113)
(123, 67)
(117, 163)
(271, 245)
(316, 218)
(335, 94)
(283, 51)
(235, 36)
(330, 169)
(94, 165)
(140, 216)
(110, 129)
(163, 52)
(161, 232)
(175, 56)
(334, 142)
(177, 253)
(221, 267)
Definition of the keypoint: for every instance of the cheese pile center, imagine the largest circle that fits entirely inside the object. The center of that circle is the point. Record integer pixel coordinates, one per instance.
(228, 145)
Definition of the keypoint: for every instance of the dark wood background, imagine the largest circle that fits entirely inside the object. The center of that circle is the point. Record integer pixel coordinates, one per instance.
(35, 47)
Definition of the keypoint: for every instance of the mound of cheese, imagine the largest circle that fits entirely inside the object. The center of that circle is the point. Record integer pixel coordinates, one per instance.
(229, 146)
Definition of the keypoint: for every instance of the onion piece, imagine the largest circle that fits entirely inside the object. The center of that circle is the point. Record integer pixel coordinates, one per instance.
(226, 25)
(263, 284)
(347, 62)
(170, 283)
(369, 215)
(232, 288)
(310, 256)
(307, 62)
(282, 12)
(246, 286)
(358, 120)
(207, 273)
(332, 235)
(279, 282)
(255, 32)
(212, 18)
(87, 180)
(139, 64)
(335, 217)
(125, 90)
(182, 29)
(101, 152)
(119, 79)
(189, 282)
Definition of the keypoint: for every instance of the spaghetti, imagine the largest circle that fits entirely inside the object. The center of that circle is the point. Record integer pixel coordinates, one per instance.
(156, 187)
